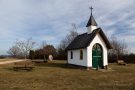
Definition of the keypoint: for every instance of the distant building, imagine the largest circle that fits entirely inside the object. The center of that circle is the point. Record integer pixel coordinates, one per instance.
(89, 49)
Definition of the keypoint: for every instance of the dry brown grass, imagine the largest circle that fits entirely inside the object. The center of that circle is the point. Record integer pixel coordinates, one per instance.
(58, 76)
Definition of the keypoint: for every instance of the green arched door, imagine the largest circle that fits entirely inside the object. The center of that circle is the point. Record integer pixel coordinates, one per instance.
(97, 59)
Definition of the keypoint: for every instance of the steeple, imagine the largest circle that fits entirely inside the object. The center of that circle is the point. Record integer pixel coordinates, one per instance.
(91, 25)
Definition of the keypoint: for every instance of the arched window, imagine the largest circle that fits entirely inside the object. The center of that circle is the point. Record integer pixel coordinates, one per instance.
(97, 47)
(81, 54)
(97, 56)
(71, 55)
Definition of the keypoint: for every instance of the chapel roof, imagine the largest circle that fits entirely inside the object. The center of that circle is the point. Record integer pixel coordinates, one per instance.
(84, 40)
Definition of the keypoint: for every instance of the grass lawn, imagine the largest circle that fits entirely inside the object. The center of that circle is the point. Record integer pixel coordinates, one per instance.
(59, 76)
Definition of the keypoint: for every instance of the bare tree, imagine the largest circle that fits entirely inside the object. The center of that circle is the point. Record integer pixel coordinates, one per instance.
(22, 47)
(119, 47)
(66, 41)
(14, 51)
(69, 37)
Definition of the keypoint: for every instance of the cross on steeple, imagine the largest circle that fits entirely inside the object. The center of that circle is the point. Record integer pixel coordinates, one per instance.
(91, 8)
(91, 21)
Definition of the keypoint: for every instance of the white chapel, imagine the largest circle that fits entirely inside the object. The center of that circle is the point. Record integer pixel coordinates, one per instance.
(89, 49)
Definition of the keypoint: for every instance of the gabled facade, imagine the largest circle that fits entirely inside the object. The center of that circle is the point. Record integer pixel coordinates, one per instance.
(89, 49)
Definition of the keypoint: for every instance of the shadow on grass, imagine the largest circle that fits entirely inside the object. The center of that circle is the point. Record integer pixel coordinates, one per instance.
(59, 65)
(19, 70)
(55, 64)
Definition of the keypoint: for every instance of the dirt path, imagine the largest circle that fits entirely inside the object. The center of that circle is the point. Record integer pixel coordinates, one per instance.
(7, 62)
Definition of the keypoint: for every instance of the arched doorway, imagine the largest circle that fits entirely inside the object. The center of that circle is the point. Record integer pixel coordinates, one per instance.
(97, 56)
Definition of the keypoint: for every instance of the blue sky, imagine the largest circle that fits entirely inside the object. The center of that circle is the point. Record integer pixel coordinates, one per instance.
(51, 20)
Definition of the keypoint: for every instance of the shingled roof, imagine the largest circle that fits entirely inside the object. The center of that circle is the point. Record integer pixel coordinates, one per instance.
(91, 22)
(83, 40)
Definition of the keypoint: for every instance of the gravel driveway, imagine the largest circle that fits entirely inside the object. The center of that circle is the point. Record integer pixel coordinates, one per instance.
(7, 62)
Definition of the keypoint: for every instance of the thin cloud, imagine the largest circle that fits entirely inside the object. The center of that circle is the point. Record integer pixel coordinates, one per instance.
(51, 20)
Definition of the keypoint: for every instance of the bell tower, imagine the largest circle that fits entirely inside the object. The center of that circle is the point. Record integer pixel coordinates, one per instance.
(91, 25)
